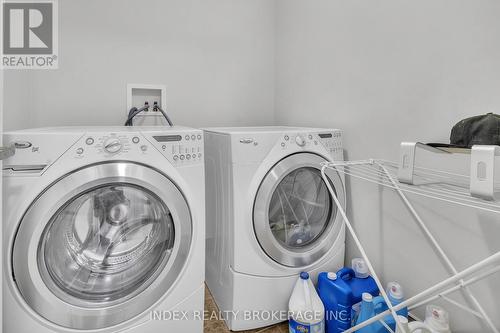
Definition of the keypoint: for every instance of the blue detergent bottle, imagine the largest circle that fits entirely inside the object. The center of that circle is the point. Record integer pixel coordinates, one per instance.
(361, 283)
(396, 296)
(367, 311)
(336, 295)
(340, 291)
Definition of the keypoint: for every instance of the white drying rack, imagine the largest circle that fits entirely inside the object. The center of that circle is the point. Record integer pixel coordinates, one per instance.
(478, 191)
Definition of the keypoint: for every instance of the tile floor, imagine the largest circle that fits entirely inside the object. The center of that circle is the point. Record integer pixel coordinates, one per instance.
(216, 326)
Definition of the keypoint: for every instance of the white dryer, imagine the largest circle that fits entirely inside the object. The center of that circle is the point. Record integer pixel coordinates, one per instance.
(103, 230)
(269, 217)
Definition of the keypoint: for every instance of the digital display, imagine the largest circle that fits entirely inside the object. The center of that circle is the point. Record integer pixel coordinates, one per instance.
(325, 135)
(168, 138)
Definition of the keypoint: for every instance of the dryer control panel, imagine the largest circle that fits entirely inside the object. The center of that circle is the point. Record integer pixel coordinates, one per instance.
(330, 140)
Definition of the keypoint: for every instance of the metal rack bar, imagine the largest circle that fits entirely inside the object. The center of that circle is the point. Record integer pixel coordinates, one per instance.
(385, 178)
(361, 249)
(440, 250)
(482, 166)
(423, 190)
(473, 280)
(425, 296)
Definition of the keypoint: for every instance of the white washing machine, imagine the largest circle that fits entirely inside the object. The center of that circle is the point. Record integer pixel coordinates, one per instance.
(103, 230)
(269, 217)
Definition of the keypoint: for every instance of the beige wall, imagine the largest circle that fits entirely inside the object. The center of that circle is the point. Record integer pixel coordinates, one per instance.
(386, 71)
(389, 71)
(215, 57)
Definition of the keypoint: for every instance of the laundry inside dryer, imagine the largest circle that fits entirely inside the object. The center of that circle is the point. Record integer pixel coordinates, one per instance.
(300, 208)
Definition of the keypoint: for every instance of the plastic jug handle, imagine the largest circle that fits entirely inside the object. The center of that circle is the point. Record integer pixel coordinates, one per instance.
(345, 272)
(379, 304)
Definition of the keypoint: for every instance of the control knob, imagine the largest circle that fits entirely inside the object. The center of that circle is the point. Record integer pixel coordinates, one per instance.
(301, 142)
(113, 145)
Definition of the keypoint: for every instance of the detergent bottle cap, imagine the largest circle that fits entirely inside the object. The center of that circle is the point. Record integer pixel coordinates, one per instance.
(304, 276)
(332, 276)
(403, 327)
(395, 290)
(367, 297)
(360, 268)
(437, 317)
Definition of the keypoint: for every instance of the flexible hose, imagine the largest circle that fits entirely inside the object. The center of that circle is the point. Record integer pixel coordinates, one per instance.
(164, 115)
(134, 112)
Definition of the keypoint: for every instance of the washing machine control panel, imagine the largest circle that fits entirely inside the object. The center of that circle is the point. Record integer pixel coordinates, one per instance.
(181, 149)
(107, 144)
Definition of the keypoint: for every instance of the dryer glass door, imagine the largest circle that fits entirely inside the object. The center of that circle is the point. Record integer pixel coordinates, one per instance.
(300, 208)
(295, 219)
(102, 245)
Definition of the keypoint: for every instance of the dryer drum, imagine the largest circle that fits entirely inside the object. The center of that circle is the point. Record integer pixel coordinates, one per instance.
(300, 208)
(295, 220)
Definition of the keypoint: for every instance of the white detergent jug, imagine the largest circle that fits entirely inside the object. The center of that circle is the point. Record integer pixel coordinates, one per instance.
(438, 319)
(306, 311)
(415, 326)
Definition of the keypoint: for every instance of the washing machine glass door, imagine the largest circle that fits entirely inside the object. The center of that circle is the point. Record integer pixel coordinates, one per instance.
(102, 245)
(295, 219)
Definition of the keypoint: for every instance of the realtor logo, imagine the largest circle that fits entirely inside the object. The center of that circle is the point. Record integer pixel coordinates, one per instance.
(29, 34)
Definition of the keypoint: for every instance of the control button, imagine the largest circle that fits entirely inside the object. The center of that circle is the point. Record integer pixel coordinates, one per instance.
(287, 138)
(199, 136)
(182, 157)
(283, 144)
(176, 157)
(194, 155)
(188, 157)
(89, 141)
(113, 145)
(310, 137)
(301, 142)
(135, 139)
(79, 151)
(199, 155)
(163, 147)
(187, 137)
(193, 137)
(144, 147)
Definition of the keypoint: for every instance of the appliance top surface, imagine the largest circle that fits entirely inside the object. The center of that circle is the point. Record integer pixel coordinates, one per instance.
(91, 129)
(261, 129)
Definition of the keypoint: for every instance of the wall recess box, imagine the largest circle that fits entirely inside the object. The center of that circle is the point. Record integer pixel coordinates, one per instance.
(139, 94)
